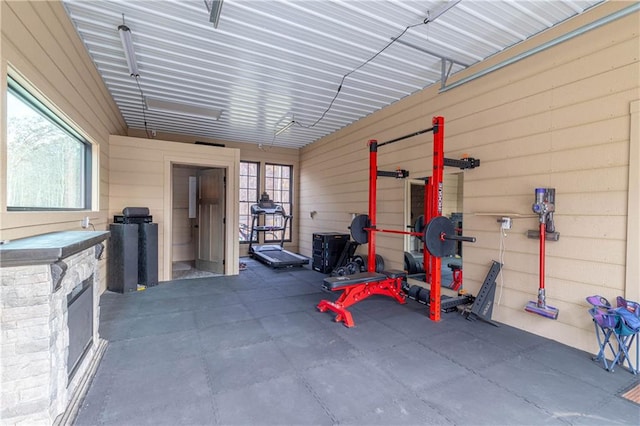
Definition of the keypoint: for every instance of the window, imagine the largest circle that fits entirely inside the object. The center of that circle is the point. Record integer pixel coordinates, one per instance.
(48, 163)
(248, 196)
(278, 183)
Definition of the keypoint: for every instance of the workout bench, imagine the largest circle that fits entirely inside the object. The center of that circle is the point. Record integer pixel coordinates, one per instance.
(358, 287)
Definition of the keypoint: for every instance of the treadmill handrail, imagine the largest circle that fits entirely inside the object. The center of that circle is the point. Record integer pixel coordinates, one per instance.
(256, 211)
(274, 209)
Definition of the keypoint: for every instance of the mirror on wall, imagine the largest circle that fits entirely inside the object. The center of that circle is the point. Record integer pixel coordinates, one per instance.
(451, 208)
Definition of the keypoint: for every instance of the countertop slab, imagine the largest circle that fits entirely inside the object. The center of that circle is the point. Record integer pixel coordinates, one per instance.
(48, 248)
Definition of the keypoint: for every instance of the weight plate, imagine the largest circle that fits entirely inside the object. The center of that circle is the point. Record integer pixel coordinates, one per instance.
(423, 296)
(413, 292)
(341, 271)
(409, 263)
(352, 268)
(439, 247)
(362, 264)
(363, 261)
(419, 225)
(358, 224)
(379, 263)
(413, 263)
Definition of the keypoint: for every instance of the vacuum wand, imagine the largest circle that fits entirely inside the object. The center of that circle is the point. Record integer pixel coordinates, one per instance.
(541, 292)
(544, 207)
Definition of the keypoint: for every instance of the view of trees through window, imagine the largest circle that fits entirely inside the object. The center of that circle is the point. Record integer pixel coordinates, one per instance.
(46, 165)
(278, 186)
(248, 196)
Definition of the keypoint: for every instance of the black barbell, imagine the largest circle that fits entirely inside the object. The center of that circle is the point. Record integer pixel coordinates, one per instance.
(439, 235)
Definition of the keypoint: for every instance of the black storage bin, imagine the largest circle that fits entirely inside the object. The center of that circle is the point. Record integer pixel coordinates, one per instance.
(148, 254)
(327, 247)
(122, 273)
(133, 251)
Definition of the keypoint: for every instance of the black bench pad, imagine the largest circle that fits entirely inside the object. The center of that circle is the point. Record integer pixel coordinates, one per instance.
(395, 273)
(332, 283)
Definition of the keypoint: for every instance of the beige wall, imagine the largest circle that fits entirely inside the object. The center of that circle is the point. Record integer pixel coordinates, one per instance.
(182, 228)
(557, 119)
(251, 152)
(141, 176)
(41, 48)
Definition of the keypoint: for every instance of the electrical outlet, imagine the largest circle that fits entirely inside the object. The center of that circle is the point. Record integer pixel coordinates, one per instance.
(505, 223)
(85, 222)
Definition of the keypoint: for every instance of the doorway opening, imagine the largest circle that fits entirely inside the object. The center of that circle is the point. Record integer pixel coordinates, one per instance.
(198, 221)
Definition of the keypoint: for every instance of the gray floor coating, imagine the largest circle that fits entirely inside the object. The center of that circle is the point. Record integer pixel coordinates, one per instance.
(253, 350)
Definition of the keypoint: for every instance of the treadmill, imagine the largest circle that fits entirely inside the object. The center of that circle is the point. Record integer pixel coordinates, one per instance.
(273, 255)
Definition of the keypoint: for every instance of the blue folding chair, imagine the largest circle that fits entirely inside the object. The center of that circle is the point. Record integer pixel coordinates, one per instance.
(616, 330)
(626, 332)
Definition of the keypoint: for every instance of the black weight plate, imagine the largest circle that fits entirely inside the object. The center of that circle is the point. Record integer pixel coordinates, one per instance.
(365, 263)
(379, 263)
(437, 246)
(423, 296)
(409, 263)
(340, 272)
(352, 268)
(358, 224)
(361, 262)
(413, 292)
(419, 225)
(413, 263)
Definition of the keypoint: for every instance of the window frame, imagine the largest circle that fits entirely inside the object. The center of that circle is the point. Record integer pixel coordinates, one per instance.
(289, 210)
(26, 96)
(249, 203)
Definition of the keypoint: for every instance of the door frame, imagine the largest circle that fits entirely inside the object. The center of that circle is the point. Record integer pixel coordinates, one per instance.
(231, 163)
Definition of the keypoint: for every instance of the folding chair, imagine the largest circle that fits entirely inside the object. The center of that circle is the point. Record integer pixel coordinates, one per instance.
(626, 331)
(618, 325)
(604, 324)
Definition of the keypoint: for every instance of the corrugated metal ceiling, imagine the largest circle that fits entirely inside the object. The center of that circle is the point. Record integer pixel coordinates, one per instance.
(273, 61)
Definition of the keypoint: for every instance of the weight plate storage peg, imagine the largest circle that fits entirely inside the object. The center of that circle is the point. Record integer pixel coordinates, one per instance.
(358, 225)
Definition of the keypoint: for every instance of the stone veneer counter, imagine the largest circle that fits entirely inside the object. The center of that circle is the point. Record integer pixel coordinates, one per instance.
(49, 311)
(48, 248)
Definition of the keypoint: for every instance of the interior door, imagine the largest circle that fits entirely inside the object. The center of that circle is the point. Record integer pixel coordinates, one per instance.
(211, 220)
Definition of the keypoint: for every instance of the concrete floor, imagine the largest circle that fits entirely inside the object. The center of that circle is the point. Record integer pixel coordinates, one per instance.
(252, 350)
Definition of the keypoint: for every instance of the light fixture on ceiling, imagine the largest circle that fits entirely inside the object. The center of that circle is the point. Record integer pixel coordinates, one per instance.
(214, 7)
(154, 104)
(432, 16)
(286, 127)
(129, 53)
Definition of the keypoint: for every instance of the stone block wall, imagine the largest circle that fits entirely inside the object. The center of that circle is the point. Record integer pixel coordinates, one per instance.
(34, 337)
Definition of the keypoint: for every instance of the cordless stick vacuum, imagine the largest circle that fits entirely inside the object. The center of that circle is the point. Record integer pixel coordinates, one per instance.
(544, 207)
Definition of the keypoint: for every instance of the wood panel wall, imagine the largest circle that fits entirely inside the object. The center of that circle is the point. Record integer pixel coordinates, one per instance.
(561, 119)
(141, 176)
(41, 49)
(251, 152)
(182, 228)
